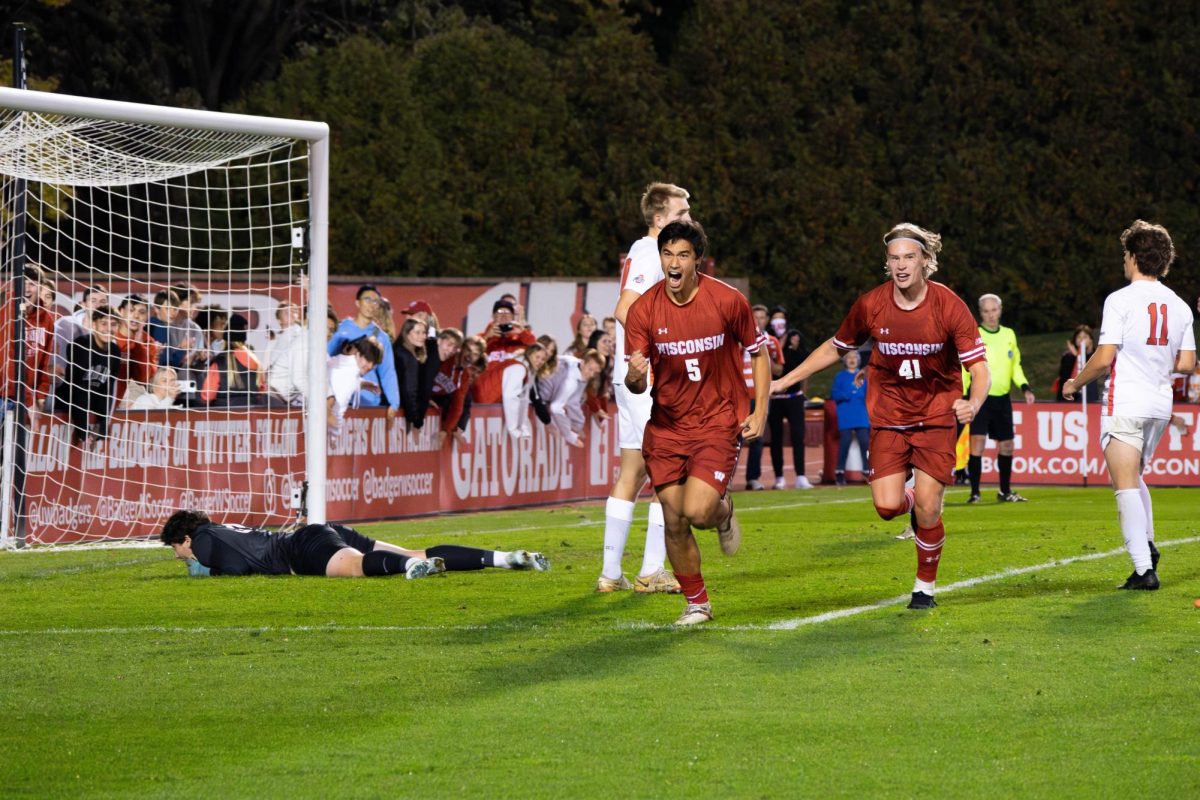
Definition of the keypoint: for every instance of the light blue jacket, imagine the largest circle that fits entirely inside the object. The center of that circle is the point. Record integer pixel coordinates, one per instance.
(384, 375)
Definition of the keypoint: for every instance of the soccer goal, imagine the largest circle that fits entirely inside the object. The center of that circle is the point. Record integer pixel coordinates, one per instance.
(163, 314)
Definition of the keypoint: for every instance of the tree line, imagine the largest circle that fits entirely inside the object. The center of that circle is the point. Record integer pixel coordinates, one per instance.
(509, 137)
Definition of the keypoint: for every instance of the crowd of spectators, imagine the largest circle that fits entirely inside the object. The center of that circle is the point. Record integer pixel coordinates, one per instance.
(167, 350)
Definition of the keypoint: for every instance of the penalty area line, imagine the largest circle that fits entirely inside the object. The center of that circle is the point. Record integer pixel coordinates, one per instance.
(792, 624)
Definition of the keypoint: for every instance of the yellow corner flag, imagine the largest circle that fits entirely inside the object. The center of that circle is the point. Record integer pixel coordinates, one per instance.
(962, 448)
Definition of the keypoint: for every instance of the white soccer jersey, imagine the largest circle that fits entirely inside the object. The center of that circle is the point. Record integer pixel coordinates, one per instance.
(642, 269)
(1149, 324)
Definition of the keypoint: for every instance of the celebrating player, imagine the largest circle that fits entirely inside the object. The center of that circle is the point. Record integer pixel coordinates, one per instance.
(335, 551)
(691, 329)
(662, 203)
(922, 332)
(1150, 328)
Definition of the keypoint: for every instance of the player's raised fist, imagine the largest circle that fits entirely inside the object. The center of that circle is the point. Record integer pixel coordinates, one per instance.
(964, 411)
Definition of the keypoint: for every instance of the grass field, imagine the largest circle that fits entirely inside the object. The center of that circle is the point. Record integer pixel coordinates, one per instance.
(124, 677)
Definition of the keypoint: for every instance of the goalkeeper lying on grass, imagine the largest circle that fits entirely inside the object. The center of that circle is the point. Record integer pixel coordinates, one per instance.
(332, 550)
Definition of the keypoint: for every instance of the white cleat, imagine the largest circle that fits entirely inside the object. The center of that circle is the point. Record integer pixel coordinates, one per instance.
(422, 567)
(802, 482)
(523, 559)
(730, 534)
(695, 614)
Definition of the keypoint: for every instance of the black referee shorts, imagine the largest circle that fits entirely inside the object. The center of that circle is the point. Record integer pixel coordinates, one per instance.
(312, 546)
(995, 419)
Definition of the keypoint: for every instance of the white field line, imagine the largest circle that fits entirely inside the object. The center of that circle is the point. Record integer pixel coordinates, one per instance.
(792, 624)
(155, 543)
(783, 625)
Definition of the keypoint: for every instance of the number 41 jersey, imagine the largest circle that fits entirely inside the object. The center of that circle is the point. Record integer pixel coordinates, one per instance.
(695, 353)
(1149, 324)
(914, 377)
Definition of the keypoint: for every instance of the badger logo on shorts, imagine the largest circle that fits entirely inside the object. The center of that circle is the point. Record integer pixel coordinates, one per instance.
(719, 475)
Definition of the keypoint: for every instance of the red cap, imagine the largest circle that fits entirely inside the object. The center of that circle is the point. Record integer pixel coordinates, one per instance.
(416, 306)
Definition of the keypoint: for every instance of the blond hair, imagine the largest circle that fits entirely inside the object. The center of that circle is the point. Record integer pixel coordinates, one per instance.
(929, 242)
(657, 198)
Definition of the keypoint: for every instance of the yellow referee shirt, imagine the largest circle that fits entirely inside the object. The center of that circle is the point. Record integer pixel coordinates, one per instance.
(1004, 362)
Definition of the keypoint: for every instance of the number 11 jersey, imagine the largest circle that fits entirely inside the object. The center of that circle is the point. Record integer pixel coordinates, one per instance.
(1149, 324)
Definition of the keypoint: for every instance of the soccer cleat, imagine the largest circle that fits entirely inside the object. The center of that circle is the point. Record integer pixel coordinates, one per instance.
(754, 486)
(921, 601)
(1148, 580)
(780, 483)
(1011, 497)
(605, 585)
(1153, 556)
(973, 499)
(661, 582)
(523, 559)
(908, 533)
(730, 533)
(422, 567)
(695, 614)
(802, 482)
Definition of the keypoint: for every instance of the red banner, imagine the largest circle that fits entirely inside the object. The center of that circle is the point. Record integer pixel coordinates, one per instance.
(241, 467)
(1057, 443)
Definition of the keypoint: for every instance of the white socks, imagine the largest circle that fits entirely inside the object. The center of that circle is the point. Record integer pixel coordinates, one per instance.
(655, 556)
(618, 516)
(923, 586)
(1144, 492)
(1134, 527)
(500, 559)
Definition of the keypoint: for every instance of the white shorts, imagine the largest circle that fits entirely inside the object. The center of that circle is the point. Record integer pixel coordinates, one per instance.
(633, 412)
(1144, 433)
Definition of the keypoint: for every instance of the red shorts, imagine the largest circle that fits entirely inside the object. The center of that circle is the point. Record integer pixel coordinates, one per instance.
(710, 455)
(930, 450)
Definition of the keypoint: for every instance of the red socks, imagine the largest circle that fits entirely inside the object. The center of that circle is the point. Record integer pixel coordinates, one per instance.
(929, 543)
(693, 587)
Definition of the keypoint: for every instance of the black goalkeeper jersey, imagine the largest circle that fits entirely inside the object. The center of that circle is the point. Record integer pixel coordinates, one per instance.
(238, 550)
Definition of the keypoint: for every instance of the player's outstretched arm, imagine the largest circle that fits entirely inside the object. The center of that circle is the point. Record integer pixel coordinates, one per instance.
(825, 356)
(1097, 365)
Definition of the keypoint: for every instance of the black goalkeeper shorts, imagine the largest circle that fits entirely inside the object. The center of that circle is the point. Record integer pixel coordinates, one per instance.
(312, 546)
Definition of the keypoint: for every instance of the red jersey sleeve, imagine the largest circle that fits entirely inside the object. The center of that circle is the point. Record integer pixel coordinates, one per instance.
(743, 326)
(854, 330)
(965, 333)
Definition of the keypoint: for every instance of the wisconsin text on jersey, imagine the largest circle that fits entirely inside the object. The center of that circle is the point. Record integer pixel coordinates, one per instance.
(909, 348)
(689, 346)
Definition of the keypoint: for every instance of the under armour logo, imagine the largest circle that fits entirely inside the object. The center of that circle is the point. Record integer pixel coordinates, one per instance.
(883, 331)
(662, 331)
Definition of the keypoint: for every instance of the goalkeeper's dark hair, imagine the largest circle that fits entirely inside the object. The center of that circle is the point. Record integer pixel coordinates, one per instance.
(1151, 248)
(182, 524)
(685, 230)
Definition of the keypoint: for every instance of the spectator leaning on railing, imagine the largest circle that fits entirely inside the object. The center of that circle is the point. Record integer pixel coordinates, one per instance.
(566, 405)
(234, 378)
(509, 382)
(89, 389)
(287, 356)
(384, 389)
(39, 343)
(452, 387)
(346, 370)
(416, 384)
(164, 389)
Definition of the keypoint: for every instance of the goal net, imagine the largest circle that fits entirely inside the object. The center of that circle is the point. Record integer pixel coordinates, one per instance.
(162, 318)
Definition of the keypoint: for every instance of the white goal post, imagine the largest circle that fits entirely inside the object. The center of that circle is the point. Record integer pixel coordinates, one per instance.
(141, 200)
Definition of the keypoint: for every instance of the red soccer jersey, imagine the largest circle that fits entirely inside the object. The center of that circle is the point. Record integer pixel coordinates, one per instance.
(914, 375)
(695, 352)
(39, 347)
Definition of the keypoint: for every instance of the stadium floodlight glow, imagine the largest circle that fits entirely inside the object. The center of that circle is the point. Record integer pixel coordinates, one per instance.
(136, 199)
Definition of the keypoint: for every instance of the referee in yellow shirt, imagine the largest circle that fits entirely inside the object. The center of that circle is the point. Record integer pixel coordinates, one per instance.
(995, 417)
